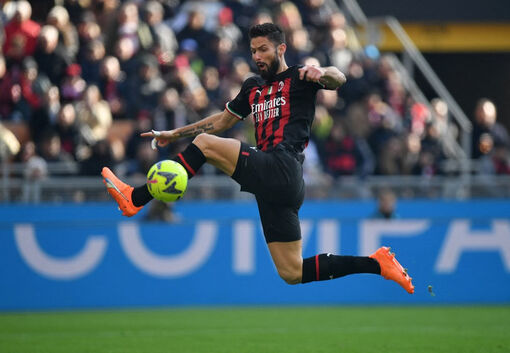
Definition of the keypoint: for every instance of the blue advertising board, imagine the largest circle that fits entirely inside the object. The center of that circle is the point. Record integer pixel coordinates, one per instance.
(89, 256)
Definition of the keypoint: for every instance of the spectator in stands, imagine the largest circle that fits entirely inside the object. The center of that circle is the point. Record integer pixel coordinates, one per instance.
(485, 123)
(68, 128)
(338, 52)
(426, 165)
(67, 33)
(21, 33)
(386, 205)
(384, 124)
(431, 142)
(316, 179)
(317, 14)
(126, 54)
(102, 154)
(412, 153)
(198, 104)
(114, 87)
(32, 86)
(21, 90)
(189, 49)
(210, 79)
(196, 30)
(130, 27)
(149, 84)
(160, 31)
(9, 144)
(185, 78)
(288, 17)
(262, 16)
(94, 114)
(395, 93)
(91, 61)
(170, 112)
(441, 119)
(162, 212)
(417, 117)
(227, 28)
(88, 31)
(239, 72)
(358, 85)
(321, 127)
(73, 85)
(140, 156)
(142, 123)
(390, 157)
(5, 90)
(501, 159)
(495, 158)
(50, 148)
(329, 99)
(299, 45)
(36, 167)
(346, 155)
(46, 115)
(146, 157)
(76, 9)
(51, 58)
(223, 59)
(106, 15)
(380, 81)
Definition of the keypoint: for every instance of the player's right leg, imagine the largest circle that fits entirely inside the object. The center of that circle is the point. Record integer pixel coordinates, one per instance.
(221, 152)
(293, 269)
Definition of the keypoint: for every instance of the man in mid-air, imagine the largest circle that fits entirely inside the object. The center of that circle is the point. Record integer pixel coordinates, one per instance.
(281, 102)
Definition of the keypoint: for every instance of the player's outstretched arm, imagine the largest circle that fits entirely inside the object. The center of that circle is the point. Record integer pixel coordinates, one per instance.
(212, 124)
(330, 77)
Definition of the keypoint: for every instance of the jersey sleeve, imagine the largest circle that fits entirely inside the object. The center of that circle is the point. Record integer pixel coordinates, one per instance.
(240, 105)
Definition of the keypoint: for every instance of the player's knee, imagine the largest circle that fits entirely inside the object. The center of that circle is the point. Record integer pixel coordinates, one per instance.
(290, 276)
(203, 141)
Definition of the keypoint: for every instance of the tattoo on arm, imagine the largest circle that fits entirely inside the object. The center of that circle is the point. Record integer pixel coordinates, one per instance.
(195, 130)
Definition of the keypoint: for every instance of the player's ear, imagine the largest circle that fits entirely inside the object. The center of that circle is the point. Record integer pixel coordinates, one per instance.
(282, 48)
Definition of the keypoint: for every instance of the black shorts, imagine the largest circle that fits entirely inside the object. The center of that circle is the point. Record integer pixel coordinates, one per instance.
(276, 180)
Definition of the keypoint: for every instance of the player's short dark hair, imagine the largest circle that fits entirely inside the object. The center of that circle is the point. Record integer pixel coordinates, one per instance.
(269, 30)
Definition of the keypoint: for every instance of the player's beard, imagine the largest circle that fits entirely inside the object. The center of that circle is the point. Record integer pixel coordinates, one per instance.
(272, 69)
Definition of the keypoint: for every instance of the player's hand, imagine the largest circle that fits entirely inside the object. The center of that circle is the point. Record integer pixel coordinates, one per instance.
(160, 138)
(311, 73)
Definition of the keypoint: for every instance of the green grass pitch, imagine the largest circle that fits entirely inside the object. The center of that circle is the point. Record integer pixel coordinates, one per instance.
(261, 330)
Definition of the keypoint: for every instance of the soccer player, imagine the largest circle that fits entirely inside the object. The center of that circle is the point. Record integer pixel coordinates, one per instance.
(282, 103)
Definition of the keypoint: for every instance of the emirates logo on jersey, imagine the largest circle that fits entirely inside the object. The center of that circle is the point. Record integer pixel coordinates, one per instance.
(268, 109)
(280, 86)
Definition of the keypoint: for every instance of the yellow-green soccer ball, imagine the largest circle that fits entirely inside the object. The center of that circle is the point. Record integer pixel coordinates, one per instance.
(167, 181)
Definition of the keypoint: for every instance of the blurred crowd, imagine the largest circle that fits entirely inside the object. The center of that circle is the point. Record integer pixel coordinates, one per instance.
(85, 77)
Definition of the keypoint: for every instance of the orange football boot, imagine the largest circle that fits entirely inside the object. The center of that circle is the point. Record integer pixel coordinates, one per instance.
(120, 192)
(392, 269)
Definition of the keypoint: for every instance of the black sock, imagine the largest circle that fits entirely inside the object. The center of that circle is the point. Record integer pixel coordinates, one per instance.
(191, 159)
(141, 196)
(327, 266)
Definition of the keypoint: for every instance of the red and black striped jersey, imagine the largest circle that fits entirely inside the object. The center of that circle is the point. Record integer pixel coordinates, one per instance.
(282, 109)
